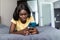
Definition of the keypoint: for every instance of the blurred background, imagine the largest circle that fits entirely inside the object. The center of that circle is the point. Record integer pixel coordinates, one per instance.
(45, 12)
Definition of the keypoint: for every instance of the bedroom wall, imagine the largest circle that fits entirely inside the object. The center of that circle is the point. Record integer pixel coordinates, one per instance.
(7, 9)
(57, 4)
(45, 17)
(0, 11)
(0, 7)
(33, 6)
(50, 0)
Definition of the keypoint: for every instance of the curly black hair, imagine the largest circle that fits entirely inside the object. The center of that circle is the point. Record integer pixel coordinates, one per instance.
(21, 6)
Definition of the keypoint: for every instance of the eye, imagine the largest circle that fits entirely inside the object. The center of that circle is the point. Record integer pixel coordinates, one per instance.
(23, 14)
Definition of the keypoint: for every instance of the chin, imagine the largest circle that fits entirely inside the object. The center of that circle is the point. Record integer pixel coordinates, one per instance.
(23, 20)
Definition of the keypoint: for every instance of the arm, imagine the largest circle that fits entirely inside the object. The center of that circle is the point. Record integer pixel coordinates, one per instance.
(12, 28)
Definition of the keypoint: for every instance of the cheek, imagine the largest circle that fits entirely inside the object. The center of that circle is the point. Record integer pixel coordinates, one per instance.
(23, 16)
(26, 16)
(20, 16)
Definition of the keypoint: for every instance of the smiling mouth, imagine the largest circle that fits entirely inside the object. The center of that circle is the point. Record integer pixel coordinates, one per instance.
(24, 19)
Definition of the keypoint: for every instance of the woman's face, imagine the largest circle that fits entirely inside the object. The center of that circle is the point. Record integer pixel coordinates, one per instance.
(23, 15)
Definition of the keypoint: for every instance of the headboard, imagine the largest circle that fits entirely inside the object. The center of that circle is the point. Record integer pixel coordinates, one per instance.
(0, 19)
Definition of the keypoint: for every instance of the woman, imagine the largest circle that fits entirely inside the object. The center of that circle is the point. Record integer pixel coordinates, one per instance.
(21, 19)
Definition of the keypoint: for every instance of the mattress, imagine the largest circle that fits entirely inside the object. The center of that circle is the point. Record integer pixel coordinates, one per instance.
(45, 33)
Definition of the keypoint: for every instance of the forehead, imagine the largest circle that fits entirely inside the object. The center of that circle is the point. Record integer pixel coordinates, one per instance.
(23, 11)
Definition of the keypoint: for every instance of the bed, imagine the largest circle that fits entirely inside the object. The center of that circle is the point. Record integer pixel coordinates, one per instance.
(0, 19)
(45, 33)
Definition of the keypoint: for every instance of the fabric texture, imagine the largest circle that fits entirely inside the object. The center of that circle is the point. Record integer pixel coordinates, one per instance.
(21, 26)
(45, 33)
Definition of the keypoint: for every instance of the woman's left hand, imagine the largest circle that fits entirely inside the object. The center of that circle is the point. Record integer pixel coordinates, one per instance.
(34, 31)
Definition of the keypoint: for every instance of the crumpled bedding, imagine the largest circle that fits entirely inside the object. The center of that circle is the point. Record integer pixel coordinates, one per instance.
(45, 33)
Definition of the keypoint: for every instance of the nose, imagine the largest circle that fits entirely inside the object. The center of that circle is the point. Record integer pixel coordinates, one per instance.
(23, 15)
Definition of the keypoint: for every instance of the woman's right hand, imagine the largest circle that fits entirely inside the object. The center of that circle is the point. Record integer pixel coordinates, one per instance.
(24, 32)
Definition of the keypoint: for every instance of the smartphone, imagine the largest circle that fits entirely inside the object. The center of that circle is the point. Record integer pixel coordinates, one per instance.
(32, 24)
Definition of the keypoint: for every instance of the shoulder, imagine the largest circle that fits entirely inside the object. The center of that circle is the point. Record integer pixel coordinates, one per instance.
(31, 18)
(13, 21)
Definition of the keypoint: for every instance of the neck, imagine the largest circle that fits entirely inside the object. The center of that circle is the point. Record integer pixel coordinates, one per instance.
(23, 21)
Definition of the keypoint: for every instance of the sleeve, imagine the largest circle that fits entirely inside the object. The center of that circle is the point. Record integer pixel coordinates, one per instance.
(32, 19)
(32, 22)
(13, 21)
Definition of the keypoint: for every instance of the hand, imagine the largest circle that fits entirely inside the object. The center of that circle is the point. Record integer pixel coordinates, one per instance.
(34, 31)
(26, 32)
(31, 30)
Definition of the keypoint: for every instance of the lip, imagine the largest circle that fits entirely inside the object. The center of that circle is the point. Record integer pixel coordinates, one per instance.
(24, 18)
